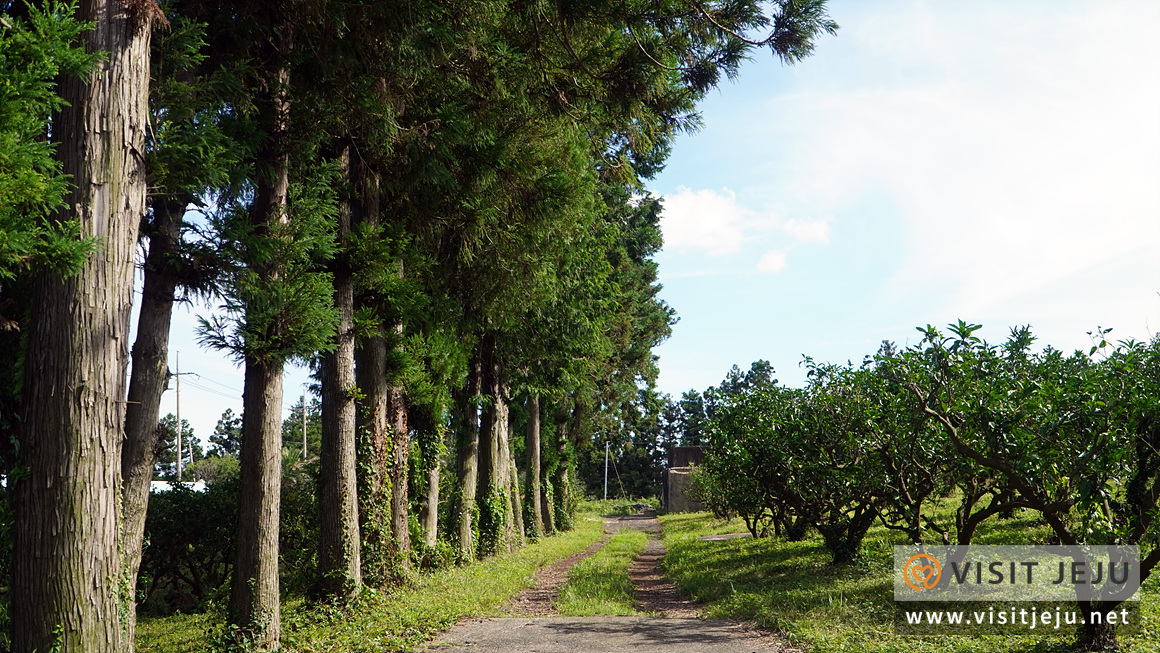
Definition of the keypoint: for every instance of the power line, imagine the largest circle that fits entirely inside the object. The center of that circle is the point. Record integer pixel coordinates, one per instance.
(213, 391)
(203, 378)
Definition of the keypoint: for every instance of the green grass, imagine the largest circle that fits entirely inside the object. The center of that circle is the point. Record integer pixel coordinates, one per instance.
(793, 588)
(395, 620)
(599, 585)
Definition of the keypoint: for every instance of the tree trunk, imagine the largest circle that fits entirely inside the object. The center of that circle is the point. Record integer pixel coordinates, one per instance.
(339, 560)
(495, 523)
(513, 530)
(533, 483)
(373, 430)
(400, 450)
(372, 420)
(254, 606)
(148, 383)
(1096, 633)
(430, 516)
(562, 487)
(547, 511)
(519, 538)
(254, 601)
(66, 575)
(467, 454)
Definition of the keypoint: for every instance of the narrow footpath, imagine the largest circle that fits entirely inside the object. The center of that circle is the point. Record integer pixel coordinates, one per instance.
(672, 627)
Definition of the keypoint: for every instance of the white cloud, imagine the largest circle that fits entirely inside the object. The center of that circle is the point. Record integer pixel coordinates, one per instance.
(1021, 154)
(708, 220)
(714, 222)
(772, 261)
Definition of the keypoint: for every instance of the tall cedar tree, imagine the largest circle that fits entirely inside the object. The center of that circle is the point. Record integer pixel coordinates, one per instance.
(342, 105)
(277, 306)
(66, 560)
(339, 553)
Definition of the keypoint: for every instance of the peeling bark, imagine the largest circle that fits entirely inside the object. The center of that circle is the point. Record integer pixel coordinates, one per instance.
(66, 570)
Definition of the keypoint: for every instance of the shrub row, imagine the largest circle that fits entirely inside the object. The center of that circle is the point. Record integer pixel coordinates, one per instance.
(1075, 438)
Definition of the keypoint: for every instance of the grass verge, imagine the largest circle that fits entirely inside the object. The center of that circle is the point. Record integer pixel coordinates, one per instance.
(392, 620)
(792, 587)
(599, 585)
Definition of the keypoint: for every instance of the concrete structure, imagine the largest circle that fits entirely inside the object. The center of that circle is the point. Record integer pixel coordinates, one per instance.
(675, 496)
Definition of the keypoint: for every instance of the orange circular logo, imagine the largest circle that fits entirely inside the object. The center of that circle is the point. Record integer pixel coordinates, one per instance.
(922, 571)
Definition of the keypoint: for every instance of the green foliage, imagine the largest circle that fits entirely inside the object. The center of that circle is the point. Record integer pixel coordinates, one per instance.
(1073, 438)
(564, 500)
(165, 467)
(189, 536)
(288, 314)
(213, 469)
(188, 149)
(227, 435)
(188, 550)
(493, 518)
(34, 53)
(299, 523)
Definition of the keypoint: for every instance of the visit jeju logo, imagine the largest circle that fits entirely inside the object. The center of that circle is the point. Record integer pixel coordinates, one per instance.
(1016, 572)
(922, 571)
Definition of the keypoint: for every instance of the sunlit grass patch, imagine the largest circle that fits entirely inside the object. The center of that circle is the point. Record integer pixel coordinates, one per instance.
(793, 588)
(178, 633)
(600, 585)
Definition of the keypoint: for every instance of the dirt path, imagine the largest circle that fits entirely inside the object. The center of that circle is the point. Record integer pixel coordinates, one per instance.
(655, 595)
(673, 629)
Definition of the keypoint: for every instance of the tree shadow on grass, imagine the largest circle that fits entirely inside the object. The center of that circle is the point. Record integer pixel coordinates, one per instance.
(793, 588)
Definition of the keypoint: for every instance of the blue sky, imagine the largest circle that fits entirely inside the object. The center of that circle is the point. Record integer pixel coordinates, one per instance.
(995, 161)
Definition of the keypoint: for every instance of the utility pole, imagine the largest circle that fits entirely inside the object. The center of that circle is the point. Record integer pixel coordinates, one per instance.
(177, 364)
(606, 470)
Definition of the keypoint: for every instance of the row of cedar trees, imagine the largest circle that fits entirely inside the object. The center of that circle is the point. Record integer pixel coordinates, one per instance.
(439, 203)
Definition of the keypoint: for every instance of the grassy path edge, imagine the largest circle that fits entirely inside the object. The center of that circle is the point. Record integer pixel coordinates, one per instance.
(399, 619)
